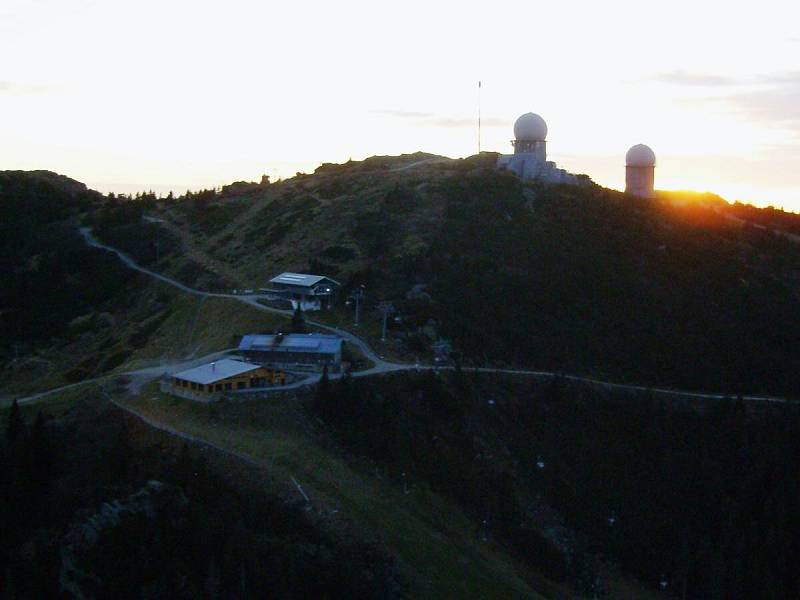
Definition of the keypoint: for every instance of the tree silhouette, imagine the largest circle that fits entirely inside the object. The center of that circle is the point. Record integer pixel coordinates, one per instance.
(322, 398)
(299, 321)
(16, 424)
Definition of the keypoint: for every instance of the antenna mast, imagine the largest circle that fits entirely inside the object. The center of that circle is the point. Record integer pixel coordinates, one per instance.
(479, 117)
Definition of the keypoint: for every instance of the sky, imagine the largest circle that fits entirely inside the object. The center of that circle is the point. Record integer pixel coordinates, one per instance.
(131, 95)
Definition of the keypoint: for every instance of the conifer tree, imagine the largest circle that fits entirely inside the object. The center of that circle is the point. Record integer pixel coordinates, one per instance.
(299, 321)
(323, 396)
(16, 425)
(42, 459)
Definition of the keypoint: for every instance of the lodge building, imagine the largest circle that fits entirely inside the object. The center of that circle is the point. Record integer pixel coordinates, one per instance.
(209, 381)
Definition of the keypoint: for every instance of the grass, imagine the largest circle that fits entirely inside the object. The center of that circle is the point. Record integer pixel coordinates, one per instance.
(437, 544)
(56, 405)
(198, 326)
(353, 353)
(370, 330)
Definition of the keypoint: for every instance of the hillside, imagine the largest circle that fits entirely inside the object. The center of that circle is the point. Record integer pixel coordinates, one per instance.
(423, 484)
(69, 312)
(698, 498)
(680, 291)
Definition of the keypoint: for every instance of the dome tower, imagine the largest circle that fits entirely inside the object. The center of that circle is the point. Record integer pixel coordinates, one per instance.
(640, 167)
(530, 133)
(529, 161)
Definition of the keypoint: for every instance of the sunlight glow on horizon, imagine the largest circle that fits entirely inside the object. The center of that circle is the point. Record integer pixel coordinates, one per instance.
(127, 95)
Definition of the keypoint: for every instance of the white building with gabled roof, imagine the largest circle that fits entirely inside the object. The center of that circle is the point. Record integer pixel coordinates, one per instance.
(311, 292)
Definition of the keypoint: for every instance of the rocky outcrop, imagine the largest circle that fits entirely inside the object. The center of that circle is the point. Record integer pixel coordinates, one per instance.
(153, 501)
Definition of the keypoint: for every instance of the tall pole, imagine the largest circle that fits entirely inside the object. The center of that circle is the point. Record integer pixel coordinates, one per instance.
(479, 117)
(357, 297)
(386, 308)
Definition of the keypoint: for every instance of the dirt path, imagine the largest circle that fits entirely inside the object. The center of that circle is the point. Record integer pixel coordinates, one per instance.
(383, 366)
(138, 377)
(195, 254)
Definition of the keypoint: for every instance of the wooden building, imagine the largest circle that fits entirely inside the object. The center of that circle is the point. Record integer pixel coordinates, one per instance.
(208, 381)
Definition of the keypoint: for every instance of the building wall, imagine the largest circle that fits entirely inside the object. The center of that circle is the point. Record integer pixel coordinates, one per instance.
(529, 166)
(261, 377)
(306, 296)
(640, 181)
(538, 149)
(314, 359)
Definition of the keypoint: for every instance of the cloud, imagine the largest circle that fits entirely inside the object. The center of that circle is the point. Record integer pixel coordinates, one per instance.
(778, 106)
(771, 100)
(9, 87)
(433, 120)
(790, 78)
(694, 79)
(776, 102)
(403, 114)
(447, 122)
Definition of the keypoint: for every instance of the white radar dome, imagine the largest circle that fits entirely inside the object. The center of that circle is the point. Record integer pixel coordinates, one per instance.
(640, 156)
(530, 127)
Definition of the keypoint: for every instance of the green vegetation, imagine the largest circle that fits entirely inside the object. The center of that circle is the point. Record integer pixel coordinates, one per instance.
(683, 291)
(672, 292)
(701, 494)
(441, 553)
(299, 321)
(97, 505)
(198, 326)
(50, 276)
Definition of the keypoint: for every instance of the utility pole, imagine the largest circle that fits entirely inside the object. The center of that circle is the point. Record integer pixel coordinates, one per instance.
(386, 308)
(357, 297)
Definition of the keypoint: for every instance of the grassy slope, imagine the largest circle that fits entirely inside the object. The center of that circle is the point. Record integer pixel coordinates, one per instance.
(188, 326)
(278, 228)
(589, 269)
(198, 326)
(436, 544)
(435, 541)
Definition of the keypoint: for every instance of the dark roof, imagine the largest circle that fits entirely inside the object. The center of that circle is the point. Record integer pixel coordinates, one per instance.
(293, 342)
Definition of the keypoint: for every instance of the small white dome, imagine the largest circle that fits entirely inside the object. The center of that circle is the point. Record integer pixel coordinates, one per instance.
(640, 156)
(530, 127)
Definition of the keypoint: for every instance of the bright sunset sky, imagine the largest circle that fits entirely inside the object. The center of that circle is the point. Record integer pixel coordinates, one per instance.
(127, 95)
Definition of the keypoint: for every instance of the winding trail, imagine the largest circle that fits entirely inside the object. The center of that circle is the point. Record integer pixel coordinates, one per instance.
(138, 377)
(381, 366)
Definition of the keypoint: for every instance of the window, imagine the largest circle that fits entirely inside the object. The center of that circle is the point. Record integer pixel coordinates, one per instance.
(240, 385)
(229, 386)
